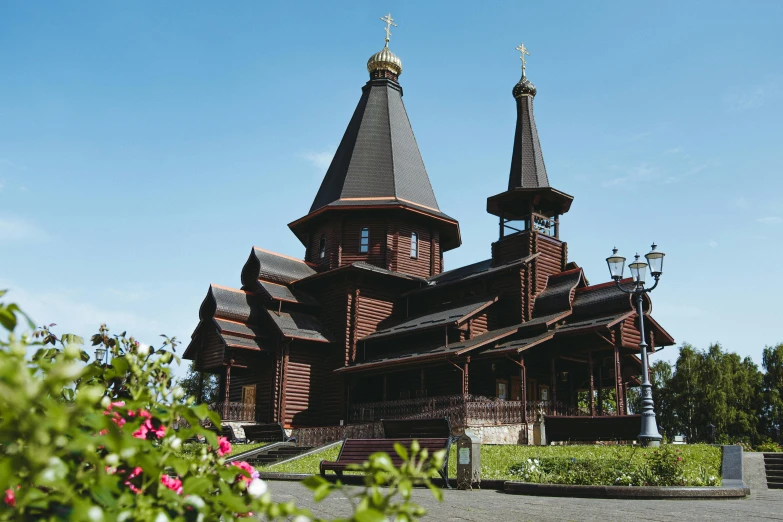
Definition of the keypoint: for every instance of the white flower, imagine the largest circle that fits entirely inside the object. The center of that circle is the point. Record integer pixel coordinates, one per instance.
(105, 401)
(144, 350)
(175, 443)
(301, 518)
(95, 514)
(195, 501)
(112, 459)
(122, 517)
(256, 488)
(127, 453)
(178, 392)
(161, 517)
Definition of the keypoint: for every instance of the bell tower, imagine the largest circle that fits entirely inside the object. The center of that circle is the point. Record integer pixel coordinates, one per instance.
(529, 211)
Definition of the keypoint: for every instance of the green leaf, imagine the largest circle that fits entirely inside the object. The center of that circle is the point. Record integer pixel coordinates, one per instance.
(401, 451)
(7, 319)
(322, 492)
(436, 492)
(369, 515)
(314, 482)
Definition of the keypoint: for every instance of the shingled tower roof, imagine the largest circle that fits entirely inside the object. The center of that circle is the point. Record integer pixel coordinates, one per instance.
(378, 166)
(528, 183)
(378, 156)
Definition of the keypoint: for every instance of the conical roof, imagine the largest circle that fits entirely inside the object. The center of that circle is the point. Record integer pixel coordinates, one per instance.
(378, 158)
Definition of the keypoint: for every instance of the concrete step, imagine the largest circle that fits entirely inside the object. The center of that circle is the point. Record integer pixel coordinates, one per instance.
(773, 466)
(774, 486)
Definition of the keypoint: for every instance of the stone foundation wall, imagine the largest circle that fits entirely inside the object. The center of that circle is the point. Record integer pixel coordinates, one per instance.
(521, 434)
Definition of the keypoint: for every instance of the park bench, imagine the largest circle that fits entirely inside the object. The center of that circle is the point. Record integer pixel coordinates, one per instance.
(227, 432)
(357, 451)
(588, 429)
(272, 432)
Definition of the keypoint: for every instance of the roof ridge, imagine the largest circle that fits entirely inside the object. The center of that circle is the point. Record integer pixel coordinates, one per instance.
(285, 256)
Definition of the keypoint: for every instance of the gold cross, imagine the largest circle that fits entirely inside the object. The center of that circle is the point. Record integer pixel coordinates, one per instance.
(523, 51)
(389, 22)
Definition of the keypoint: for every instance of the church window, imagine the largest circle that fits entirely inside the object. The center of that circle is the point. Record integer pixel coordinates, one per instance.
(364, 245)
(322, 247)
(414, 245)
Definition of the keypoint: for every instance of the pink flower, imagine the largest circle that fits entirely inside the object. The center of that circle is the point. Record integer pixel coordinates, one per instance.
(133, 474)
(174, 484)
(9, 498)
(224, 446)
(251, 471)
(141, 433)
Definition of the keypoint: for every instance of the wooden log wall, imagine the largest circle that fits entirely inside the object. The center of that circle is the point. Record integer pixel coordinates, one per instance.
(478, 325)
(402, 261)
(261, 373)
(330, 230)
(630, 333)
(352, 230)
(442, 380)
(511, 248)
(302, 386)
(212, 347)
(374, 308)
(550, 261)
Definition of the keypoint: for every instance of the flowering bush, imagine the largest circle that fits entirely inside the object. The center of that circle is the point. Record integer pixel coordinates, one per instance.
(86, 441)
(620, 466)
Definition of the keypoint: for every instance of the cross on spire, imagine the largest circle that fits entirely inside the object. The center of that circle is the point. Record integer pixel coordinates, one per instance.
(389, 22)
(523, 51)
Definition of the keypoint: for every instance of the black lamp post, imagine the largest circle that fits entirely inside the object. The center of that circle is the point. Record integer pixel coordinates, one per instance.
(649, 435)
(711, 431)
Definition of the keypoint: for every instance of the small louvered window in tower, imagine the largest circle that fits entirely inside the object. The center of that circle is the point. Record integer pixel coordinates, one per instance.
(364, 245)
(414, 245)
(322, 247)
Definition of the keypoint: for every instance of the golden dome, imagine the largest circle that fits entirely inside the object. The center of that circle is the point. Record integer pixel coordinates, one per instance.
(384, 60)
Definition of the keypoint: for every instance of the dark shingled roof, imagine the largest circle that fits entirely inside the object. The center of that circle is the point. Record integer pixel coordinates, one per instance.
(520, 345)
(577, 326)
(479, 269)
(527, 162)
(276, 268)
(456, 314)
(231, 304)
(278, 292)
(378, 156)
(603, 299)
(434, 352)
(300, 325)
(235, 341)
(558, 293)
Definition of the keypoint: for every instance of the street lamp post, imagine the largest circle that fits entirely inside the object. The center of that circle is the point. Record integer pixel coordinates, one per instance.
(649, 435)
(100, 354)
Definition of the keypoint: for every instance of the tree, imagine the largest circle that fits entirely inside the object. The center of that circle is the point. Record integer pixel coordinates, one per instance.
(772, 384)
(191, 383)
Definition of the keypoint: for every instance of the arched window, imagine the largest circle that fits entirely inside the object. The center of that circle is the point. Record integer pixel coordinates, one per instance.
(364, 244)
(322, 247)
(414, 245)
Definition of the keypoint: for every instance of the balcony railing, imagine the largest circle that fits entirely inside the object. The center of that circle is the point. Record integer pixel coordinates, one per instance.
(234, 411)
(461, 410)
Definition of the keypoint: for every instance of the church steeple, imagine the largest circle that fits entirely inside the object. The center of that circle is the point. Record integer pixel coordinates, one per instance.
(377, 176)
(529, 203)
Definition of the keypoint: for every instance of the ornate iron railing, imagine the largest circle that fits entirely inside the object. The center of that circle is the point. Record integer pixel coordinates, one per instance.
(461, 409)
(234, 411)
(319, 436)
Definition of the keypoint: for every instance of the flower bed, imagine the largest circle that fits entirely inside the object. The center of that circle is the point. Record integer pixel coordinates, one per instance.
(698, 465)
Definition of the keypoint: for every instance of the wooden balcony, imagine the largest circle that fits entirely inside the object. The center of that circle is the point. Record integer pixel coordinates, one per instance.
(234, 411)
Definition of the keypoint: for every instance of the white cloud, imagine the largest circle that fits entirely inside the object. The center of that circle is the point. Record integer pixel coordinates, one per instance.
(770, 220)
(639, 174)
(712, 243)
(675, 150)
(319, 159)
(753, 97)
(695, 170)
(15, 229)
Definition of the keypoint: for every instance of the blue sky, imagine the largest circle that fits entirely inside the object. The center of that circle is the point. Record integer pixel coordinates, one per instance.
(145, 147)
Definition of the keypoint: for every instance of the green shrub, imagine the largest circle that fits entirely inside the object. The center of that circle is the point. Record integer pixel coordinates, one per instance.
(86, 441)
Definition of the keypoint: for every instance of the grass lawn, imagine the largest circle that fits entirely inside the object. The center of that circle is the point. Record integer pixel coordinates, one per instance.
(625, 465)
(191, 449)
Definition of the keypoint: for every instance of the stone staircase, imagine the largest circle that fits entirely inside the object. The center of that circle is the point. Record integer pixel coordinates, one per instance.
(278, 453)
(773, 465)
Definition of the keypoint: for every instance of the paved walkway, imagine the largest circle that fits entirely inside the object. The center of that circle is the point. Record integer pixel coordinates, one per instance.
(495, 506)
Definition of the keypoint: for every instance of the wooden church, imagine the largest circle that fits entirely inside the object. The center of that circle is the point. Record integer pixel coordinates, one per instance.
(369, 325)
